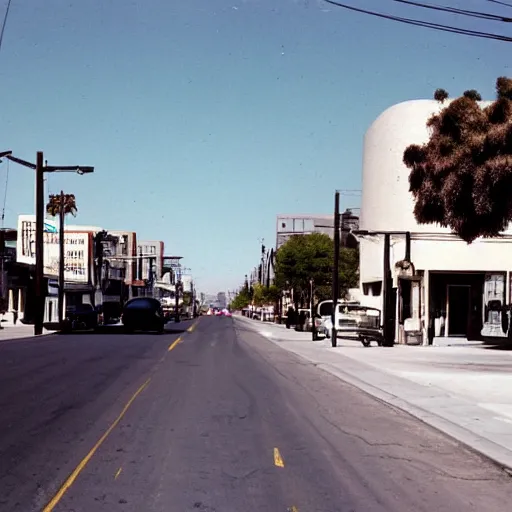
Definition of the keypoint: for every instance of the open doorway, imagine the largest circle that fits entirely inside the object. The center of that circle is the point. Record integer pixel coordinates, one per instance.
(459, 300)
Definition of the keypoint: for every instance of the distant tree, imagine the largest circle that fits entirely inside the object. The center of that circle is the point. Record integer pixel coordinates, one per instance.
(187, 298)
(241, 300)
(263, 296)
(473, 95)
(462, 177)
(306, 257)
(272, 294)
(258, 295)
(440, 95)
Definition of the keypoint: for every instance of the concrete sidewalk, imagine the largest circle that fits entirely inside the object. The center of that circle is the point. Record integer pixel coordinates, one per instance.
(462, 390)
(19, 331)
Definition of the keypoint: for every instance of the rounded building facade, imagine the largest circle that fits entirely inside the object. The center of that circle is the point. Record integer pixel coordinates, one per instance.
(452, 281)
(386, 203)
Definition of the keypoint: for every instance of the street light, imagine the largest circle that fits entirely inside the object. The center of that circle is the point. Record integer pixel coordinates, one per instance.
(40, 167)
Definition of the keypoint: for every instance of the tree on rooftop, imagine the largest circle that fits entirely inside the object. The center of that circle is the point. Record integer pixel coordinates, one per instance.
(462, 177)
(54, 206)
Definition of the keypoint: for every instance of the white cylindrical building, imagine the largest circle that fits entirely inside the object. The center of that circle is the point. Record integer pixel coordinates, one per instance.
(441, 260)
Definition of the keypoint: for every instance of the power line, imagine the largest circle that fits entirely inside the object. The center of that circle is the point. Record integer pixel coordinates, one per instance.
(454, 10)
(499, 3)
(4, 23)
(424, 24)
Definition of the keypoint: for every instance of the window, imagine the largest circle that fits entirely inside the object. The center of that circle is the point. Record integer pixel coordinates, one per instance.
(309, 225)
(298, 225)
(373, 289)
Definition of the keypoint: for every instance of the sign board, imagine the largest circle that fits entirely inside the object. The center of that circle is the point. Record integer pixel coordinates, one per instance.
(76, 249)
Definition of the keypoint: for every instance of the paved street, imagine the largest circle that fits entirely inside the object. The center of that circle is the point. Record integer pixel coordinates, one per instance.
(224, 421)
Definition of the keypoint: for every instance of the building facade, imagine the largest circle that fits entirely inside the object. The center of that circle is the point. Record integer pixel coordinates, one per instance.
(127, 249)
(150, 261)
(300, 224)
(441, 286)
(78, 266)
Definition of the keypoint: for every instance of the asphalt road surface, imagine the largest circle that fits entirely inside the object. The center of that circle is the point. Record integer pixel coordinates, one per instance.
(224, 421)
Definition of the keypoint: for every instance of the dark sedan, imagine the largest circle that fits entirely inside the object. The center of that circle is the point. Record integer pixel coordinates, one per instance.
(143, 314)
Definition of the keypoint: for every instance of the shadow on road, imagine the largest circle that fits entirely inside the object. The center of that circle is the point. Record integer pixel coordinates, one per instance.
(118, 329)
(505, 346)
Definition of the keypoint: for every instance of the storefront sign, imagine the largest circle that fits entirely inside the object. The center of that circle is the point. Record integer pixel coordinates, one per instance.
(76, 249)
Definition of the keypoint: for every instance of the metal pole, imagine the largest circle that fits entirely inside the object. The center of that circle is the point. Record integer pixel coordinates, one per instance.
(3, 288)
(335, 268)
(312, 305)
(62, 214)
(386, 293)
(139, 265)
(177, 287)
(39, 282)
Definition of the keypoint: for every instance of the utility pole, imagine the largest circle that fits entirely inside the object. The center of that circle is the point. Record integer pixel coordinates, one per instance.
(312, 306)
(4, 301)
(40, 168)
(177, 288)
(62, 214)
(387, 284)
(40, 292)
(335, 268)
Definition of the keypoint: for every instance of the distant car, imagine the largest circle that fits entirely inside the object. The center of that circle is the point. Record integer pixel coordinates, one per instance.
(143, 314)
(218, 312)
(226, 312)
(81, 317)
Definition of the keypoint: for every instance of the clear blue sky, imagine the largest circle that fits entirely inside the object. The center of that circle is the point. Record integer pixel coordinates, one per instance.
(206, 118)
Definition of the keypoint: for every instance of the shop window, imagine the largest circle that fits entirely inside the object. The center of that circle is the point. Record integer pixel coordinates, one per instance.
(373, 288)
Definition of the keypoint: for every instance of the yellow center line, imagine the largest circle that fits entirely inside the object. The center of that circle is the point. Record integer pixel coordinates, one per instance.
(118, 473)
(174, 343)
(278, 460)
(293, 508)
(73, 476)
(193, 326)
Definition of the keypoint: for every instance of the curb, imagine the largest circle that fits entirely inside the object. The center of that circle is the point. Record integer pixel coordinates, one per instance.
(497, 454)
(29, 337)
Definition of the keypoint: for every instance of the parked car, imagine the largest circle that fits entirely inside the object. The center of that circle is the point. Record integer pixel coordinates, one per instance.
(82, 317)
(143, 314)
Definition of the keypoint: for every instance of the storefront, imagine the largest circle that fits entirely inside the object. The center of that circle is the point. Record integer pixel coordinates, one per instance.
(78, 261)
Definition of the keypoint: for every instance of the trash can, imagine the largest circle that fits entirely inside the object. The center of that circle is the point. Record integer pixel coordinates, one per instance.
(413, 337)
(412, 332)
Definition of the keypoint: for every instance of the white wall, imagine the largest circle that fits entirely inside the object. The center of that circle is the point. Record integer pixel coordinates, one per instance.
(454, 255)
(387, 204)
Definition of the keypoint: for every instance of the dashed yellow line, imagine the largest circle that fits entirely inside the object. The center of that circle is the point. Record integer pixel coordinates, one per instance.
(192, 327)
(174, 343)
(118, 473)
(73, 476)
(293, 508)
(278, 460)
